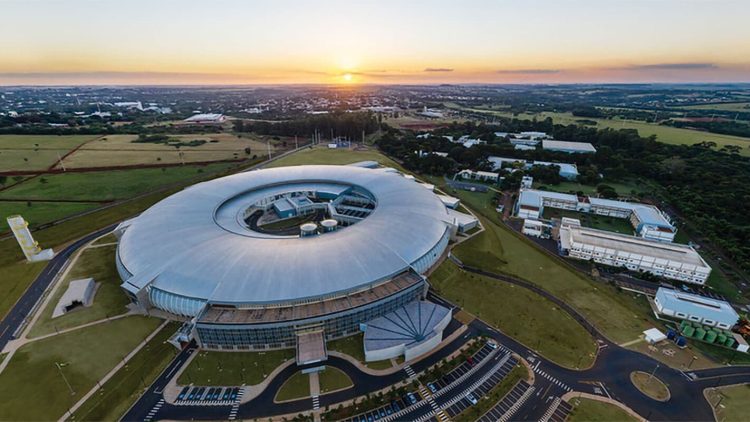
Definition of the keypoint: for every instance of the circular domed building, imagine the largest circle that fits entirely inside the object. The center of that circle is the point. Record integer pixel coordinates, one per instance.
(254, 259)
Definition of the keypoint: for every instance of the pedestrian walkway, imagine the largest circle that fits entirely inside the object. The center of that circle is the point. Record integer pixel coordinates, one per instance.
(409, 371)
(154, 410)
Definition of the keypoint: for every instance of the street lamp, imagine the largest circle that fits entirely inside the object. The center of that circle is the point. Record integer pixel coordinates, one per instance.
(59, 368)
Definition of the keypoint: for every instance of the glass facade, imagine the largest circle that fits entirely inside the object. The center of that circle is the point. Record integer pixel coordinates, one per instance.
(278, 335)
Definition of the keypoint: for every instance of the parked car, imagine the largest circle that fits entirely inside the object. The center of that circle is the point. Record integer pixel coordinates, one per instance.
(471, 398)
(432, 387)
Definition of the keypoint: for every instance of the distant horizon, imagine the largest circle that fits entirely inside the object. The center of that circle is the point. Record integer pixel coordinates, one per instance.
(386, 42)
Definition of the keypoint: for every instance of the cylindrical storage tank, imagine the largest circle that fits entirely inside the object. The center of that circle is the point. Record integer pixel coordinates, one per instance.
(329, 225)
(308, 229)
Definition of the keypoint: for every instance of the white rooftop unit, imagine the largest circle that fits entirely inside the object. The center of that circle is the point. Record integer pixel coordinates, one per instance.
(308, 229)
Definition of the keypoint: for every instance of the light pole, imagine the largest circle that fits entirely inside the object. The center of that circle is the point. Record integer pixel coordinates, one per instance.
(692, 360)
(652, 373)
(59, 368)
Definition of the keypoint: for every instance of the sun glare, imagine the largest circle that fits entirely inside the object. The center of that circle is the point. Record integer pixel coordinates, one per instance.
(348, 77)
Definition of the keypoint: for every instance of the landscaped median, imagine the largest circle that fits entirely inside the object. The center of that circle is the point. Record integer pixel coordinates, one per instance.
(486, 402)
(587, 410)
(38, 373)
(354, 346)
(519, 313)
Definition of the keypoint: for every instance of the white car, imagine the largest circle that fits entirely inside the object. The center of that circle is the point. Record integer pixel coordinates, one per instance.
(471, 398)
(492, 344)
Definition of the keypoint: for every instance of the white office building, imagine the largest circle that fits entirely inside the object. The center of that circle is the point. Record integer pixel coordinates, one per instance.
(691, 307)
(668, 260)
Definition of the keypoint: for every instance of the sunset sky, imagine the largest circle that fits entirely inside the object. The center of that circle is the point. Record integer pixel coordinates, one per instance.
(234, 42)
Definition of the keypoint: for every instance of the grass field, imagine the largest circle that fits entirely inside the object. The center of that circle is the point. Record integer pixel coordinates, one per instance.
(721, 106)
(233, 368)
(649, 385)
(617, 225)
(296, 387)
(666, 134)
(36, 152)
(125, 387)
(354, 347)
(519, 313)
(119, 150)
(37, 213)
(106, 185)
(36, 385)
(498, 249)
(622, 189)
(586, 410)
(333, 379)
(734, 402)
(322, 155)
(109, 301)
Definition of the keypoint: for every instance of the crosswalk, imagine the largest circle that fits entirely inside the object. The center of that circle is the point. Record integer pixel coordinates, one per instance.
(431, 401)
(550, 378)
(154, 410)
(236, 405)
(316, 402)
(410, 372)
(551, 411)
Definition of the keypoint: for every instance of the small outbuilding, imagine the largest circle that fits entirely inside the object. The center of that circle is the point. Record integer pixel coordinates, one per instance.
(79, 293)
(653, 336)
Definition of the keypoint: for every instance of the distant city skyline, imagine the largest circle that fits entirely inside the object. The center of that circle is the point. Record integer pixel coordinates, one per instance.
(80, 42)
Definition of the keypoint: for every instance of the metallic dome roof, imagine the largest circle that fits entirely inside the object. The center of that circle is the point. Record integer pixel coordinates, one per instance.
(194, 243)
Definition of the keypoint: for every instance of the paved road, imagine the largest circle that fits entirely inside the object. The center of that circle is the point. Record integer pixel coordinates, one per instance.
(23, 307)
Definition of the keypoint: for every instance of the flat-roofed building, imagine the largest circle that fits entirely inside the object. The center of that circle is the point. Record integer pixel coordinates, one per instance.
(206, 119)
(648, 221)
(692, 307)
(668, 260)
(567, 171)
(569, 147)
(485, 176)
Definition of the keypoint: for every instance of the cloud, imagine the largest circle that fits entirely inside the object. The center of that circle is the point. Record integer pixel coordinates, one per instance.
(438, 69)
(528, 71)
(673, 66)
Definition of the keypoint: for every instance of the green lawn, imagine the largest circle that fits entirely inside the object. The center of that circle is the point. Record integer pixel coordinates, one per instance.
(98, 263)
(43, 141)
(736, 402)
(617, 225)
(110, 238)
(622, 188)
(354, 347)
(296, 387)
(587, 410)
(37, 213)
(34, 382)
(233, 368)
(519, 313)
(126, 386)
(105, 185)
(498, 249)
(333, 379)
(739, 106)
(322, 155)
(473, 413)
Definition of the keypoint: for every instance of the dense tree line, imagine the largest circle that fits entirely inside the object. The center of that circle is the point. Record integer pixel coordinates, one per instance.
(718, 126)
(349, 125)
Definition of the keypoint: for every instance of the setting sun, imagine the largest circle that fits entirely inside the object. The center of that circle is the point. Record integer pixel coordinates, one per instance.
(347, 77)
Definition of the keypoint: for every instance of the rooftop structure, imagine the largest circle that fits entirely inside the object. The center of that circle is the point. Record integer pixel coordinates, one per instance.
(78, 293)
(647, 220)
(410, 331)
(692, 307)
(194, 254)
(29, 246)
(486, 176)
(668, 260)
(206, 119)
(567, 171)
(569, 147)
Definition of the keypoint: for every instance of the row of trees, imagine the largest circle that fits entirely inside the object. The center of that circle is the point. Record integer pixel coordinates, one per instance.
(350, 125)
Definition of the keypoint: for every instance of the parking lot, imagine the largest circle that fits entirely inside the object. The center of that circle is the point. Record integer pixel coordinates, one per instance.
(504, 406)
(389, 409)
(208, 396)
(480, 391)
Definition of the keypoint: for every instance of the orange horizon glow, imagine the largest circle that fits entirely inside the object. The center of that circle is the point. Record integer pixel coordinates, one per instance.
(386, 42)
